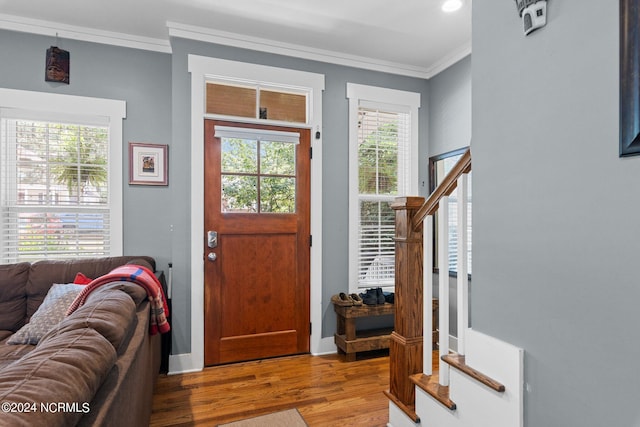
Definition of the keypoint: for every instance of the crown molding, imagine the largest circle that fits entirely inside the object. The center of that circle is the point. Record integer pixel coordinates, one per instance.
(450, 59)
(72, 32)
(54, 29)
(298, 51)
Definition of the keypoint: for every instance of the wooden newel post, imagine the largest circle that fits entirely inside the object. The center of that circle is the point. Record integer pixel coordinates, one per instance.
(405, 349)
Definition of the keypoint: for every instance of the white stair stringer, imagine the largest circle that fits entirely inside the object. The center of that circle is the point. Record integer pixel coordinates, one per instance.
(397, 418)
(476, 404)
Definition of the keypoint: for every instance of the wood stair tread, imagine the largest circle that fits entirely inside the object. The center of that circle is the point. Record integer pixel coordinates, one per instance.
(458, 362)
(431, 385)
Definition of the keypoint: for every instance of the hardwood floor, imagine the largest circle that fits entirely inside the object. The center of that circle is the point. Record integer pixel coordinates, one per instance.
(325, 389)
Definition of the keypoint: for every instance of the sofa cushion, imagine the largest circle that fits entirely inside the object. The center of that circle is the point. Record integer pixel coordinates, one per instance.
(136, 292)
(13, 299)
(108, 310)
(45, 272)
(51, 312)
(67, 368)
(11, 353)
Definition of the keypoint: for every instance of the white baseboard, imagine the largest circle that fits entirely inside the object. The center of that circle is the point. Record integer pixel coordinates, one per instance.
(453, 343)
(325, 346)
(182, 364)
(397, 417)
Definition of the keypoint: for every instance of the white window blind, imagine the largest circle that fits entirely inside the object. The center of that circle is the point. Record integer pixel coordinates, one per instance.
(382, 166)
(383, 138)
(55, 188)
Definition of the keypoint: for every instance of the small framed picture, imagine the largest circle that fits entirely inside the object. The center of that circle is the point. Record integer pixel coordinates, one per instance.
(148, 164)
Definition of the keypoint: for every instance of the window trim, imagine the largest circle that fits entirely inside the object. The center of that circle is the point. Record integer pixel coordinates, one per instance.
(111, 110)
(385, 99)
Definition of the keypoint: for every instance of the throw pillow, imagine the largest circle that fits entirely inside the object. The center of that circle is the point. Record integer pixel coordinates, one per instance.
(49, 314)
(81, 279)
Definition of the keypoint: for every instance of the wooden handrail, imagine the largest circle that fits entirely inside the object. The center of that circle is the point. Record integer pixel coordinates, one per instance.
(450, 182)
(406, 343)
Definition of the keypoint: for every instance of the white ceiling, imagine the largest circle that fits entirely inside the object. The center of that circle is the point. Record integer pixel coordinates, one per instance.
(411, 35)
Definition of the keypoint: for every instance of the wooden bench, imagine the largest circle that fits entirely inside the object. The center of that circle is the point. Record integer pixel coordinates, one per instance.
(351, 341)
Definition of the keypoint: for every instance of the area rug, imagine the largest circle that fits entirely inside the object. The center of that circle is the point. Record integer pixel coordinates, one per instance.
(288, 418)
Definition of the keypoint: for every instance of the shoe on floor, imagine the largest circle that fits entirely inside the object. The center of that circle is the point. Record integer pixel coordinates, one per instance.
(356, 299)
(370, 297)
(342, 299)
(389, 297)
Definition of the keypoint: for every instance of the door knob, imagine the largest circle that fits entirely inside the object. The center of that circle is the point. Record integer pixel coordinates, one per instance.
(212, 256)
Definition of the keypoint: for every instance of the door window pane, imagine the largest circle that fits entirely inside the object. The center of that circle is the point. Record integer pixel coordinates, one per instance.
(239, 193)
(239, 156)
(277, 194)
(277, 158)
(258, 176)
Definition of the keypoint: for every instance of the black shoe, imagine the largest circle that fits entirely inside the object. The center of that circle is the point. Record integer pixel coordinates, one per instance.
(389, 297)
(370, 297)
(380, 296)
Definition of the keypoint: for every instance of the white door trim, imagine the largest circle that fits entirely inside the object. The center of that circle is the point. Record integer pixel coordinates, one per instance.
(201, 69)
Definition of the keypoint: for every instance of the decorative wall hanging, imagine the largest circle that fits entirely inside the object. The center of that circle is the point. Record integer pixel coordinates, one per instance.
(148, 164)
(629, 78)
(57, 65)
(533, 14)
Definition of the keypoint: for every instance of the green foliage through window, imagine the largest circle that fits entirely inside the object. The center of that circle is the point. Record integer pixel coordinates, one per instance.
(258, 176)
(382, 137)
(56, 189)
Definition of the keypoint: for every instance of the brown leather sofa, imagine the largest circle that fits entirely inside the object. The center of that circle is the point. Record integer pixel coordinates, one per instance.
(97, 367)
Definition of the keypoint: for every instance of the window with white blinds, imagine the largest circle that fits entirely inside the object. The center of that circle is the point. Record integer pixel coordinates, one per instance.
(383, 138)
(57, 188)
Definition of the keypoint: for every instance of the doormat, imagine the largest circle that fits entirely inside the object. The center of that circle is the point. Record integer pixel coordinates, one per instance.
(288, 418)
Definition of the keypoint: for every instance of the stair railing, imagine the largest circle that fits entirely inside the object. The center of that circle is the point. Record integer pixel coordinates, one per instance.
(413, 301)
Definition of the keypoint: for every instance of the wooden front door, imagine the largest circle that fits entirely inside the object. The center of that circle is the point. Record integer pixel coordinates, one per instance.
(257, 201)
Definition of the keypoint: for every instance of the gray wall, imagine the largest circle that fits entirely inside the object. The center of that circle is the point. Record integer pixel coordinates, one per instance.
(143, 80)
(450, 108)
(556, 231)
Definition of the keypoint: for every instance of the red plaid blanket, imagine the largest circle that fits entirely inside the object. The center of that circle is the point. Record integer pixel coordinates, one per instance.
(141, 276)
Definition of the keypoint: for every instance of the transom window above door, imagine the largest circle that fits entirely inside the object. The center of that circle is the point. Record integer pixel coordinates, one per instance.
(258, 170)
(253, 100)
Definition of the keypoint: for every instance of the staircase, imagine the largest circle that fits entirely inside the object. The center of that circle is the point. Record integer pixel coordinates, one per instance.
(480, 384)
